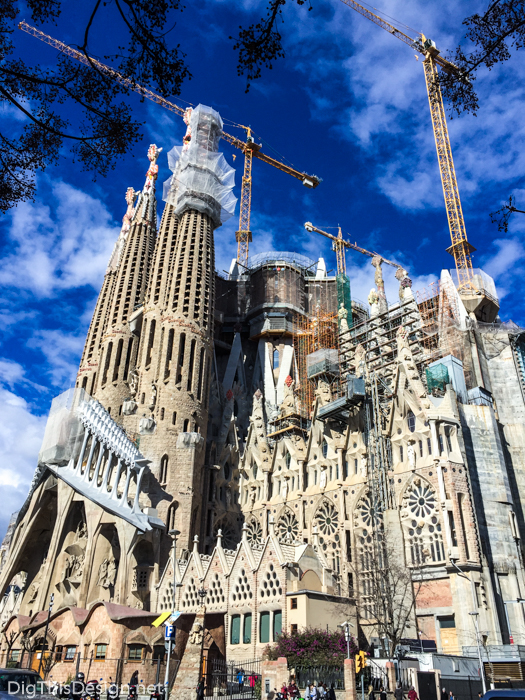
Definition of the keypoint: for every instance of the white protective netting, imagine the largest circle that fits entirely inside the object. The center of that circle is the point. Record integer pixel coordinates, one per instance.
(202, 179)
(64, 430)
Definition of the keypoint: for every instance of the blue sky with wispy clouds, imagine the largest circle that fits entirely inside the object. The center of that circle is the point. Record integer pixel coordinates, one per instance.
(348, 104)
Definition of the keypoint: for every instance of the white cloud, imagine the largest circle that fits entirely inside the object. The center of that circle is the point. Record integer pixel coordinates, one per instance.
(21, 434)
(11, 372)
(383, 106)
(61, 245)
(62, 353)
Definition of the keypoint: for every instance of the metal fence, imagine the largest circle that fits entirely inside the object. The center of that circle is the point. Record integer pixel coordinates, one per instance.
(306, 675)
(233, 679)
(60, 667)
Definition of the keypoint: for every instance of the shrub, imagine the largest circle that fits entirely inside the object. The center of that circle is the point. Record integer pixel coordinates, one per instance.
(311, 647)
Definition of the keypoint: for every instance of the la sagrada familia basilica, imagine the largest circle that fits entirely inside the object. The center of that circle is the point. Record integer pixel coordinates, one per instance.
(278, 426)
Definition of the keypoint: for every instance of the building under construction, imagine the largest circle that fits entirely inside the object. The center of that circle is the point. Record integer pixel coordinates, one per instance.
(286, 434)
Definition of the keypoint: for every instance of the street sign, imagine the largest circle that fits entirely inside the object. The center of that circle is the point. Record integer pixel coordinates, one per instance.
(169, 632)
(174, 617)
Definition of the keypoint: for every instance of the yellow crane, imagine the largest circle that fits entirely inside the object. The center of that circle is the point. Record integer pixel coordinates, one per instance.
(460, 249)
(340, 244)
(249, 148)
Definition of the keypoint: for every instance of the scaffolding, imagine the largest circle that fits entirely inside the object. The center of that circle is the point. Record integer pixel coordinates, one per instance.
(344, 296)
(316, 346)
(441, 333)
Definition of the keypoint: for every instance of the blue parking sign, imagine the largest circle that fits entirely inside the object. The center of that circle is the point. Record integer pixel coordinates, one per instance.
(169, 632)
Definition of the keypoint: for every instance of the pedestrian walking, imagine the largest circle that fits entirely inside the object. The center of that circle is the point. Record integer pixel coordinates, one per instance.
(240, 679)
(444, 694)
(451, 696)
(371, 694)
(398, 692)
(307, 691)
(412, 695)
(331, 693)
(314, 693)
(133, 683)
(382, 693)
(200, 689)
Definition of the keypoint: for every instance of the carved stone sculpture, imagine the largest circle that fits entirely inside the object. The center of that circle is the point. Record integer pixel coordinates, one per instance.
(133, 382)
(196, 634)
(342, 314)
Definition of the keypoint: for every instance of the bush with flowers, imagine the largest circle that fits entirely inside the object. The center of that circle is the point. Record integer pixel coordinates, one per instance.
(311, 647)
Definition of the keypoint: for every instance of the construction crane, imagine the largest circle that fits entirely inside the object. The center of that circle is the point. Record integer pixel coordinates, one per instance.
(249, 148)
(340, 244)
(460, 249)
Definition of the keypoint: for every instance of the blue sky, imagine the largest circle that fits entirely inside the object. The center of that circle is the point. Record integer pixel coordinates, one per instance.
(348, 103)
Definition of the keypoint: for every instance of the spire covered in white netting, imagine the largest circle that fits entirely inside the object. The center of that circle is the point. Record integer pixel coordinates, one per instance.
(202, 179)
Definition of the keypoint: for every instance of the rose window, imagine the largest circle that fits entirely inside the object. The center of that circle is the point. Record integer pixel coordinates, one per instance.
(288, 528)
(421, 501)
(369, 512)
(254, 532)
(327, 519)
(230, 536)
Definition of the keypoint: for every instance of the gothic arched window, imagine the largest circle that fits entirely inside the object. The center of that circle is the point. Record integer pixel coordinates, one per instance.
(164, 469)
(422, 524)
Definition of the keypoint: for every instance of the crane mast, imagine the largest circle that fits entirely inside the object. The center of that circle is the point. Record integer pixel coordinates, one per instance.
(460, 249)
(249, 148)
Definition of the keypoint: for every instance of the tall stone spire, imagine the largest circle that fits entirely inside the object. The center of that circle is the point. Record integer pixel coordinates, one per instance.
(176, 347)
(128, 271)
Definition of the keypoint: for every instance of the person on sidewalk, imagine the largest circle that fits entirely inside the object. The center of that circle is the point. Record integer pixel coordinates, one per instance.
(200, 689)
(412, 695)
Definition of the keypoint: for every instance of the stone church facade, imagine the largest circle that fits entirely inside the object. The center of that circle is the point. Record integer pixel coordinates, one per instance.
(198, 409)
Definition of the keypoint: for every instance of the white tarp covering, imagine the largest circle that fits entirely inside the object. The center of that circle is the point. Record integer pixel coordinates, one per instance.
(202, 179)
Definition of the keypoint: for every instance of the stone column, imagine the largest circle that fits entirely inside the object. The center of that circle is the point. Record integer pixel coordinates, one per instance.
(350, 691)
(190, 669)
(90, 458)
(82, 451)
(300, 464)
(434, 437)
(107, 472)
(273, 675)
(114, 491)
(340, 463)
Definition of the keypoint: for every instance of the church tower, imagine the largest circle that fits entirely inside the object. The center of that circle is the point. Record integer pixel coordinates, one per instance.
(176, 349)
(111, 346)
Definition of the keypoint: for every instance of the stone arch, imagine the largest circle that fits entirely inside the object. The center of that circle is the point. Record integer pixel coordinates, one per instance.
(231, 530)
(368, 544)
(105, 564)
(421, 522)
(33, 556)
(69, 566)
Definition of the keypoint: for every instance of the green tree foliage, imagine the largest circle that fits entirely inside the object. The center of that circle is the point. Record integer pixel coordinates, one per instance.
(75, 104)
(491, 38)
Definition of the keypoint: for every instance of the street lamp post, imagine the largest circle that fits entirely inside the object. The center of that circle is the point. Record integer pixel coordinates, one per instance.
(475, 618)
(346, 628)
(174, 534)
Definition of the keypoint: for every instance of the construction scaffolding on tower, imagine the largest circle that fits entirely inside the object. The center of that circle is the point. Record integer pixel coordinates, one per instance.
(440, 332)
(316, 345)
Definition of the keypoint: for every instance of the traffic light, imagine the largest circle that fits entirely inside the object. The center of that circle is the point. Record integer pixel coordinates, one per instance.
(360, 661)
